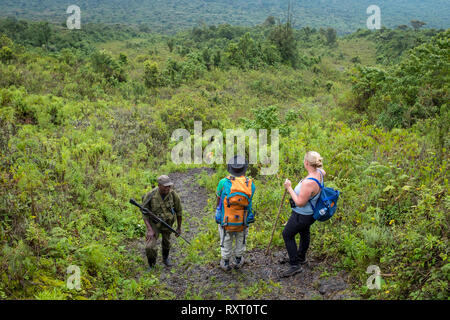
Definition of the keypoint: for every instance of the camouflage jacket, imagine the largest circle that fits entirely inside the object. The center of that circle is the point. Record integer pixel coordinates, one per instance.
(166, 209)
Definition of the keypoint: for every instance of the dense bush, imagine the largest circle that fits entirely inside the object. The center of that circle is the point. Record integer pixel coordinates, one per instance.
(77, 141)
(414, 90)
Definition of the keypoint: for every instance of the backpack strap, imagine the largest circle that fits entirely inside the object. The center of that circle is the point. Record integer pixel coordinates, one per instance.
(317, 181)
(321, 186)
(149, 197)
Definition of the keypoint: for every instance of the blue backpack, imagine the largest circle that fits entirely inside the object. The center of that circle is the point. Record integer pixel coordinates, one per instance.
(326, 204)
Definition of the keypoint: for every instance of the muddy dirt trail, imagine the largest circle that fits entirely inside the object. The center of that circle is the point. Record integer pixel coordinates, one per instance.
(258, 278)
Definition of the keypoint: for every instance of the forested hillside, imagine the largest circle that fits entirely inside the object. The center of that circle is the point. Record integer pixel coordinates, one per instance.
(85, 124)
(166, 16)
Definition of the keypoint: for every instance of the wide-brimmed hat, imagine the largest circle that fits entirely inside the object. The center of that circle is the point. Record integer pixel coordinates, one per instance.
(164, 181)
(237, 166)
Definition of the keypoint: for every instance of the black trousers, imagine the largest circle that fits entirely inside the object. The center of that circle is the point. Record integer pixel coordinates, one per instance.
(297, 223)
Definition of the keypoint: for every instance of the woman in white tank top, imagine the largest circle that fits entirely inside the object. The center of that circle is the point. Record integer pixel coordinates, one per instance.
(302, 216)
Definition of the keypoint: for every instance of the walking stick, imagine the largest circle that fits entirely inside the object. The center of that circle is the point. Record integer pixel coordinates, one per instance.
(275, 225)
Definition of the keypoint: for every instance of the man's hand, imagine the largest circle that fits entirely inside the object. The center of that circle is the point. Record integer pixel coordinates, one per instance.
(150, 235)
(179, 221)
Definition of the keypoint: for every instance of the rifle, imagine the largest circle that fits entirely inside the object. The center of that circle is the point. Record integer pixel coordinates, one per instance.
(156, 219)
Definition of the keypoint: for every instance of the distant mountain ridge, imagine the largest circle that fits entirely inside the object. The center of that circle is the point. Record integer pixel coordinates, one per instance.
(171, 15)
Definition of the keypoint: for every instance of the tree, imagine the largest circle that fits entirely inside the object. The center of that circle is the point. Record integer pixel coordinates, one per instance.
(151, 74)
(123, 59)
(217, 57)
(43, 33)
(197, 34)
(172, 72)
(417, 24)
(282, 36)
(144, 28)
(225, 31)
(270, 21)
(6, 54)
(245, 53)
(270, 54)
(5, 41)
(104, 63)
(331, 36)
(206, 55)
(170, 44)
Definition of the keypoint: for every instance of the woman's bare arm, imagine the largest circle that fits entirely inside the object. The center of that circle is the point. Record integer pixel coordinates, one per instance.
(306, 191)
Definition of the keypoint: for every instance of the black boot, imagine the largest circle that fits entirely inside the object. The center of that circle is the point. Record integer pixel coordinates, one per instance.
(225, 265)
(239, 262)
(151, 262)
(302, 259)
(294, 269)
(166, 261)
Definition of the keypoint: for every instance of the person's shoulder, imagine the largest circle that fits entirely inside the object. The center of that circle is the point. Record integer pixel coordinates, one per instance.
(222, 181)
(151, 193)
(174, 193)
(308, 182)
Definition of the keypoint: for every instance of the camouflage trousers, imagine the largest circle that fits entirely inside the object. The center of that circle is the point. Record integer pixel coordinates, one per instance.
(151, 249)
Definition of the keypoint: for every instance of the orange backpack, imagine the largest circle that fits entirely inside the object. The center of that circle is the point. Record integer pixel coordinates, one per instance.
(235, 198)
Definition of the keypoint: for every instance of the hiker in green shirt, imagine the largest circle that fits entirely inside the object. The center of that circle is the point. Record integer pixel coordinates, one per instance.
(234, 201)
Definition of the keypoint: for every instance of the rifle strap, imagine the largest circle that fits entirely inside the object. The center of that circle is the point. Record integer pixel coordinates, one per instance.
(149, 198)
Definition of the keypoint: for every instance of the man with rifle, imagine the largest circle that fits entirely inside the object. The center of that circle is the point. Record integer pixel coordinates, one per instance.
(164, 203)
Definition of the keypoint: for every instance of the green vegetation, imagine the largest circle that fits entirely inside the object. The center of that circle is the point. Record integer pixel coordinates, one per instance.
(54, 37)
(396, 97)
(392, 43)
(85, 130)
(169, 16)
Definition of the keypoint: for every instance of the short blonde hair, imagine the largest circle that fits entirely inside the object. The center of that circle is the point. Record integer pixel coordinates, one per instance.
(314, 159)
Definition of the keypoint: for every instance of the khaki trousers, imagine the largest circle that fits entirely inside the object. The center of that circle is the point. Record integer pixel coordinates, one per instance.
(230, 237)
